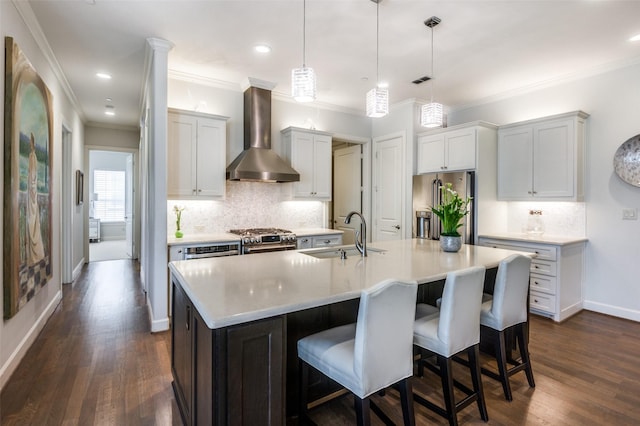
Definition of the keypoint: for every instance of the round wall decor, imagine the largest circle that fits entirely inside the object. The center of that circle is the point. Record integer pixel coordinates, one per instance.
(626, 161)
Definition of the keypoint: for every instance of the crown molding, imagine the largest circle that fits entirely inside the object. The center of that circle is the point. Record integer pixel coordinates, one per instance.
(32, 24)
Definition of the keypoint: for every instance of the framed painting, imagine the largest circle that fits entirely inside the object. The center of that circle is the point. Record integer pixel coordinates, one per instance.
(28, 136)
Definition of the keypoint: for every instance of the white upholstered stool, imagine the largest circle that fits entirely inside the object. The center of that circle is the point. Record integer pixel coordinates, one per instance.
(452, 330)
(370, 355)
(507, 310)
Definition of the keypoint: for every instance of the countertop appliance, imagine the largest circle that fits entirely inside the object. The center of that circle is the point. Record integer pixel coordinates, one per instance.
(426, 194)
(261, 240)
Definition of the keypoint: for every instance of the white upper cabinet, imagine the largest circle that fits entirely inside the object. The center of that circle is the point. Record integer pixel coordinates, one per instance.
(448, 151)
(309, 153)
(542, 159)
(196, 155)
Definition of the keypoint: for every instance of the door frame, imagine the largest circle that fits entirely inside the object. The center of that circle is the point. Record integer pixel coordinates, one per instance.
(66, 237)
(136, 197)
(366, 176)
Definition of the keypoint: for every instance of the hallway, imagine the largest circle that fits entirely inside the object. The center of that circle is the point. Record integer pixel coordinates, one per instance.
(95, 362)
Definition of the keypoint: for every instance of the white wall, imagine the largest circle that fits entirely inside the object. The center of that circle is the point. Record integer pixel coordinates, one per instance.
(17, 333)
(612, 285)
(111, 137)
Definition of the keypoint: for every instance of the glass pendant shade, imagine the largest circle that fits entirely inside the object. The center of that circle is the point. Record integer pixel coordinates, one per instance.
(377, 102)
(303, 84)
(431, 115)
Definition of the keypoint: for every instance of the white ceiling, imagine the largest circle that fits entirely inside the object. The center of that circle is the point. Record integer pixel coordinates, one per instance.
(483, 49)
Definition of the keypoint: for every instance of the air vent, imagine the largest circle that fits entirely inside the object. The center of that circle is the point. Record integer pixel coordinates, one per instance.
(421, 79)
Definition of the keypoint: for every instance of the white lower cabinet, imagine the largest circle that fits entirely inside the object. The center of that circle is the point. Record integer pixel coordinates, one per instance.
(316, 241)
(555, 283)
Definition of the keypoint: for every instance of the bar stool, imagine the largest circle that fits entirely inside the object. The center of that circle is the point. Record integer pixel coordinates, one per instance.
(507, 311)
(455, 329)
(370, 355)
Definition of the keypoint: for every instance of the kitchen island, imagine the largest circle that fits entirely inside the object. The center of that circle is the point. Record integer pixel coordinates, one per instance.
(236, 320)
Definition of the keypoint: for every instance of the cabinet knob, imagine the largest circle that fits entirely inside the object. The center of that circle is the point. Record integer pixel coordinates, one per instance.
(327, 241)
(535, 300)
(535, 266)
(397, 226)
(536, 283)
(535, 192)
(199, 190)
(529, 192)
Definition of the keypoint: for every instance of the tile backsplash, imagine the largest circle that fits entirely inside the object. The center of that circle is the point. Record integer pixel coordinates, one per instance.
(247, 204)
(560, 218)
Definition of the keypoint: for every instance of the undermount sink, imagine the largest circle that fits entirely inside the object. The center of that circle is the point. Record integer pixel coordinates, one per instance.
(350, 251)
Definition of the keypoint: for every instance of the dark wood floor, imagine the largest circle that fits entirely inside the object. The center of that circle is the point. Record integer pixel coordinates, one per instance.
(96, 363)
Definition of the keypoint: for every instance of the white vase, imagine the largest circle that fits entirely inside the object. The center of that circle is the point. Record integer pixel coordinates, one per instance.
(450, 244)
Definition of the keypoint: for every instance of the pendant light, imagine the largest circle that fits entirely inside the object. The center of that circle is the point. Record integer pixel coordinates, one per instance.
(378, 97)
(303, 80)
(432, 113)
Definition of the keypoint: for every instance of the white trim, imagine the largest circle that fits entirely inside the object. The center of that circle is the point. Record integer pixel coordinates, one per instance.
(66, 203)
(20, 351)
(616, 311)
(157, 325)
(77, 270)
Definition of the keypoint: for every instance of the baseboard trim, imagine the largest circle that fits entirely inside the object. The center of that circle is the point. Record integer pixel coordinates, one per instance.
(616, 311)
(157, 325)
(77, 270)
(20, 351)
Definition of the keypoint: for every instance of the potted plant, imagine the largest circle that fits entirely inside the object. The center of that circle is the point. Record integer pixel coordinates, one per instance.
(451, 210)
(178, 211)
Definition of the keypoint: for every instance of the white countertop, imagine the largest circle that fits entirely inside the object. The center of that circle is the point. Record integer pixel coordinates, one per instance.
(307, 232)
(202, 238)
(557, 240)
(236, 289)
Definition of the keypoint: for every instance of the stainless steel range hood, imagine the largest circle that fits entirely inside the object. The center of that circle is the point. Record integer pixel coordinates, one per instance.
(258, 162)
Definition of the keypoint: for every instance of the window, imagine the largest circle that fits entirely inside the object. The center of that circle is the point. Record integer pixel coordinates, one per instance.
(108, 185)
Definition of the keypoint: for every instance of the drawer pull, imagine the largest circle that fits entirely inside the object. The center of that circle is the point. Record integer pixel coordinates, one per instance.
(536, 283)
(536, 252)
(327, 241)
(536, 266)
(535, 300)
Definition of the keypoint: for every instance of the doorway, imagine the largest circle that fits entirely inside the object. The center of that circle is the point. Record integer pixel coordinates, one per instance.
(347, 187)
(111, 205)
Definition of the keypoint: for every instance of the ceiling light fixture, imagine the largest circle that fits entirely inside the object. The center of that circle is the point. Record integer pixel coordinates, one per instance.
(378, 97)
(303, 80)
(635, 38)
(262, 48)
(103, 75)
(432, 113)
(109, 110)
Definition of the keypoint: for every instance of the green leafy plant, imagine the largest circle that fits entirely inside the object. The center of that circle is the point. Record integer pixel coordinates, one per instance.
(451, 210)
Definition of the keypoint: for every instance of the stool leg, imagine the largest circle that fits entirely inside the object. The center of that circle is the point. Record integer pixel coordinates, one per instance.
(303, 391)
(474, 366)
(406, 399)
(501, 358)
(363, 413)
(447, 389)
(523, 346)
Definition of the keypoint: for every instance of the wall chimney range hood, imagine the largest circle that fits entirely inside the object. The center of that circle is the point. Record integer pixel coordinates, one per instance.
(258, 162)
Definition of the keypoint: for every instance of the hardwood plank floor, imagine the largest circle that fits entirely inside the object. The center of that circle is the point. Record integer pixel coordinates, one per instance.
(96, 363)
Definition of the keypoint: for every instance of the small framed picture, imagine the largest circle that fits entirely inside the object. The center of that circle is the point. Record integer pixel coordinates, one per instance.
(79, 187)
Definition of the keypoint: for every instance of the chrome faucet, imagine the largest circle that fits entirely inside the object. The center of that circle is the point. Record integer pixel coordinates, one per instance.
(361, 238)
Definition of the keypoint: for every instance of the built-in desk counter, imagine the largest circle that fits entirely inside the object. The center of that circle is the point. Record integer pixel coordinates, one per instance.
(236, 320)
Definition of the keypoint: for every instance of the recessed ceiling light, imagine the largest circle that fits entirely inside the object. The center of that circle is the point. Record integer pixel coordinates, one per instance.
(383, 84)
(109, 100)
(262, 48)
(109, 110)
(103, 75)
(635, 38)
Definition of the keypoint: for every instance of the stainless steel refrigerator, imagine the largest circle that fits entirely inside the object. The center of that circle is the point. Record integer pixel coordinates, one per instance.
(426, 193)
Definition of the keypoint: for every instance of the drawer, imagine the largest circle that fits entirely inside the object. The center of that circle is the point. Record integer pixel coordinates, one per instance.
(543, 267)
(543, 252)
(543, 284)
(542, 302)
(304, 243)
(327, 241)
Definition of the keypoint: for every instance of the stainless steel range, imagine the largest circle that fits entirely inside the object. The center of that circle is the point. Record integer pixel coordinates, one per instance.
(261, 240)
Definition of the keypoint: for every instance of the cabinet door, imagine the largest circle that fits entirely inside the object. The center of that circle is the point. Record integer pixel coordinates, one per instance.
(181, 350)
(302, 155)
(515, 169)
(460, 150)
(181, 165)
(322, 167)
(211, 158)
(553, 159)
(430, 154)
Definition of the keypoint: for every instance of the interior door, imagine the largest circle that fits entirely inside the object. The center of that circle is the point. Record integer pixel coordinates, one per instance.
(347, 189)
(128, 205)
(389, 197)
